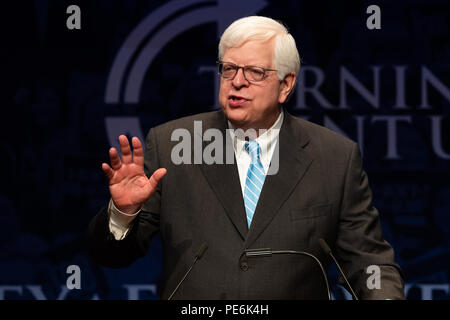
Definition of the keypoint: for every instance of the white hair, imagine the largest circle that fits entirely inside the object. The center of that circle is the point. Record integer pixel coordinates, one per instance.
(258, 28)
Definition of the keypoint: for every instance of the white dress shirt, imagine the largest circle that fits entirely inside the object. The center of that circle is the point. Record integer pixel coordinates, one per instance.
(267, 142)
(119, 222)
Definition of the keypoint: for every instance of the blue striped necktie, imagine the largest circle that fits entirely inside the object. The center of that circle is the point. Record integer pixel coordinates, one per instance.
(254, 181)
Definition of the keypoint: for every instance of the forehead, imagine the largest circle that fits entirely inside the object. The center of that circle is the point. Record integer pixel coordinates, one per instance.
(258, 53)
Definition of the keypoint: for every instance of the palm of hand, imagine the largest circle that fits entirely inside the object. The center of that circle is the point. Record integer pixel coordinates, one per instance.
(129, 186)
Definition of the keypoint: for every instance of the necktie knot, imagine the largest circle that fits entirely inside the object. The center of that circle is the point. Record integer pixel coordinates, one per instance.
(253, 148)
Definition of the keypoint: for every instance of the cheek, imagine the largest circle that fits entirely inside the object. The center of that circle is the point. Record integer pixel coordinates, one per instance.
(222, 101)
(268, 97)
(223, 92)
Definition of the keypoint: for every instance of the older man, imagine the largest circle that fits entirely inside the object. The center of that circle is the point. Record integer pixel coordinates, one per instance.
(318, 190)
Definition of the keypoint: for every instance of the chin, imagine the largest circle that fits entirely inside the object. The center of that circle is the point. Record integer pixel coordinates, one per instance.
(236, 115)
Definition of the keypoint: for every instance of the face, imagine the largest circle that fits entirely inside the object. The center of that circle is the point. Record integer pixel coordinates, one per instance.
(253, 104)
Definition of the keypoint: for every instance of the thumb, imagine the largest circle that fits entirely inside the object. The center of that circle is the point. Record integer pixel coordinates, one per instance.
(156, 177)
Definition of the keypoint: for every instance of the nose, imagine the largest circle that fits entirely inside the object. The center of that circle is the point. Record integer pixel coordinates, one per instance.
(239, 79)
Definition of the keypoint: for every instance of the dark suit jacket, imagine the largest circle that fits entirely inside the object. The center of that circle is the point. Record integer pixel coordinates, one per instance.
(320, 191)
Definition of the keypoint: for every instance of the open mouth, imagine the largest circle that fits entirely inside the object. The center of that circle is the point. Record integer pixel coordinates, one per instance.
(236, 100)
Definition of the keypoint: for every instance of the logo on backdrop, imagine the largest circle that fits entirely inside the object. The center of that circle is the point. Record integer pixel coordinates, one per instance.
(162, 25)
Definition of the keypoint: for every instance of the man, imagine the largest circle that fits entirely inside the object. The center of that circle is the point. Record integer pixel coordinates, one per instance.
(318, 189)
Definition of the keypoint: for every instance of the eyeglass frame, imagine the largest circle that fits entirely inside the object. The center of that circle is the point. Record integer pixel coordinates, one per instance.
(219, 62)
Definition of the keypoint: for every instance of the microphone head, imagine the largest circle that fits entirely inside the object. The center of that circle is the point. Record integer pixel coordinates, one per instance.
(324, 246)
(201, 250)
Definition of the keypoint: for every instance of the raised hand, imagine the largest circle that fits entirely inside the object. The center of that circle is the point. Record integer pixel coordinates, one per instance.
(129, 186)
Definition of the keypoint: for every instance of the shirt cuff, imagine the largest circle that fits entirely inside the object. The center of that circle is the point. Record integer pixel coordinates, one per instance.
(119, 222)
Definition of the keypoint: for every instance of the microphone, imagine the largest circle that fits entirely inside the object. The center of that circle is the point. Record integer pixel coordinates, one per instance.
(268, 252)
(327, 250)
(197, 257)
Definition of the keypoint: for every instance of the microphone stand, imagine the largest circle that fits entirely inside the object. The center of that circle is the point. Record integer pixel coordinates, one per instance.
(268, 252)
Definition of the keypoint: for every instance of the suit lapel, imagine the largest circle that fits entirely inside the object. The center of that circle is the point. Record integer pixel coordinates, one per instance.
(294, 161)
(224, 180)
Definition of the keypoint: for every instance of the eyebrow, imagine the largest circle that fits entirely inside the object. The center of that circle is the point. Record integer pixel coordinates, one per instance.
(247, 65)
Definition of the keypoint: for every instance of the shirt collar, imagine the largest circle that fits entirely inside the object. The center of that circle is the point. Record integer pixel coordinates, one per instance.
(266, 140)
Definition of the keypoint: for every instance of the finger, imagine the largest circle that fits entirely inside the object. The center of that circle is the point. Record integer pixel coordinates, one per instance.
(125, 149)
(107, 170)
(156, 177)
(138, 152)
(115, 159)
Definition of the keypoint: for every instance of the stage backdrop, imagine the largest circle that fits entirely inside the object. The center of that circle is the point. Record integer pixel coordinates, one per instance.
(74, 78)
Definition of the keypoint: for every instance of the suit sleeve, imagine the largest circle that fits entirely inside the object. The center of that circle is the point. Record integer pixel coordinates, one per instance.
(360, 242)
(103, 248)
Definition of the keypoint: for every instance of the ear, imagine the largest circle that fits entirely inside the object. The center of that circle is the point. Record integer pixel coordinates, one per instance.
(286, 87)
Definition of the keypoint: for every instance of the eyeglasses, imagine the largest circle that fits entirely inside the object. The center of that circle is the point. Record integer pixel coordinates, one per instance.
(229, 70)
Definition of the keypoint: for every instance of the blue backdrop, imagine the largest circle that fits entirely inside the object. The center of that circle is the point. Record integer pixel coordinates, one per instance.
(68, 94)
